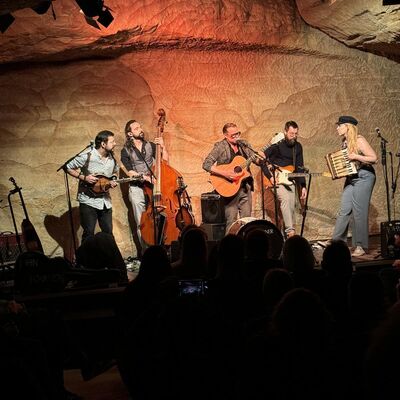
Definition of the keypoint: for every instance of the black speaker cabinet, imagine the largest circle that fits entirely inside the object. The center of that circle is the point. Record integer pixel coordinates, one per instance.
(214, 231)
(388, 229)
(212, 208)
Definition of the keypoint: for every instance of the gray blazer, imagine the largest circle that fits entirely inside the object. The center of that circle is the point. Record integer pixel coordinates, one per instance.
(221, 154)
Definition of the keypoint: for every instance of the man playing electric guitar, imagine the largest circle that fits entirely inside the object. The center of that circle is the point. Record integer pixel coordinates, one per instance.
(236, 177)
(287, 152)
(86, 167)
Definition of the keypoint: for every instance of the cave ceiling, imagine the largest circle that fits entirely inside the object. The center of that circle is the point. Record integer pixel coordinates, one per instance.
(139, 25)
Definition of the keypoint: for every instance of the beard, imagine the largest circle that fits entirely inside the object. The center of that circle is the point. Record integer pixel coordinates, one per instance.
(290, 142)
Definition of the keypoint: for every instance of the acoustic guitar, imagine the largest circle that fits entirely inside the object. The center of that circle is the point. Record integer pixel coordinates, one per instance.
(284, 176)
(103, 183)
(31, 238)
(229, 187)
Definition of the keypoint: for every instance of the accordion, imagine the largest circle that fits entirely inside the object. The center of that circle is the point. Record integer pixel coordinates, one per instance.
(339, 164)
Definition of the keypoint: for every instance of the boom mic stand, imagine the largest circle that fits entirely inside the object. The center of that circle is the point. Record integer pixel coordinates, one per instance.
(394, 183)
(262, 161)
(385, 171)
(64, 168)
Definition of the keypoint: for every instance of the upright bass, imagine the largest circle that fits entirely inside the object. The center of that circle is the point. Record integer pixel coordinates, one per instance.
(158, 223)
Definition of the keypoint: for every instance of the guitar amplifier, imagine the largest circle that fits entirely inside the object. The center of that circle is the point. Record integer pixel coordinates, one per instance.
(388, 230)
(9, 250)
(212, 208)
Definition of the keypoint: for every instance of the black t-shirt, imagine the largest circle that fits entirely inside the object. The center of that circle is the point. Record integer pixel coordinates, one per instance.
(283, 155)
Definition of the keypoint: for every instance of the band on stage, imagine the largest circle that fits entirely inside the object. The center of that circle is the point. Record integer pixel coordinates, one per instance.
(161, 206)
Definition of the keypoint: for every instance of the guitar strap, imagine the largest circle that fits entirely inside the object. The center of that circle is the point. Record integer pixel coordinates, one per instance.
(82, 187)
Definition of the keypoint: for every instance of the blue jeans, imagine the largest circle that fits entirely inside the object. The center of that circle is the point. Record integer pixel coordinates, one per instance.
(89, 217)
(354, 208)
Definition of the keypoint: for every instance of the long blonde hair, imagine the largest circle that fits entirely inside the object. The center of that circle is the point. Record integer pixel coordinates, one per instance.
(351, 138)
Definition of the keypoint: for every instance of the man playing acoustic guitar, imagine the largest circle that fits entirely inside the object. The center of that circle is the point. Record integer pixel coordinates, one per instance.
(87, 167)
(287, 153)
(233, 181)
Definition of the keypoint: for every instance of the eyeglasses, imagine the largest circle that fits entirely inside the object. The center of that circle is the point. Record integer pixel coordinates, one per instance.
(234, 135)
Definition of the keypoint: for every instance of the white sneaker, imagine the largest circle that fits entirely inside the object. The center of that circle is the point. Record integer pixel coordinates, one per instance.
(324, 243)
(359, 251)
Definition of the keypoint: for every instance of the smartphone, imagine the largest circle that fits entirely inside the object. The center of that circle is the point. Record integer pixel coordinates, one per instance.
(192, 287)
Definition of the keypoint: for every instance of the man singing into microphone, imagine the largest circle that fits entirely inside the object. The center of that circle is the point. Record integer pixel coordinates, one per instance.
(224, 152)
(137, 158)
(288, 152)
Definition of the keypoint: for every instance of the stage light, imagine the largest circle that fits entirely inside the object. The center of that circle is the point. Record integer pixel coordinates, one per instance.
(5, 21)
(95, 11)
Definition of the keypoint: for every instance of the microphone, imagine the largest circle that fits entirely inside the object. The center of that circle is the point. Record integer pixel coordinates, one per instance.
(378, 131)
(244, 144)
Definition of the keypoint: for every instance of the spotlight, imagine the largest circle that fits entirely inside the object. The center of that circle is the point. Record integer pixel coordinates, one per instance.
(105, 18)
(95, 8)
(5, 21)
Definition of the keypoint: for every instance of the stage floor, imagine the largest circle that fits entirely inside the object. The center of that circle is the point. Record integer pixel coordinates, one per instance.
(372, 258)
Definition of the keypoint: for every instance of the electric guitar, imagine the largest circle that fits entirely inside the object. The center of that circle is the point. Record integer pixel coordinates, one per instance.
(229, 187)
(103, 183)
(284, 176)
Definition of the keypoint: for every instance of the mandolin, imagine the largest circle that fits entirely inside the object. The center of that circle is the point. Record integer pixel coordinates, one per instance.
(103, 183)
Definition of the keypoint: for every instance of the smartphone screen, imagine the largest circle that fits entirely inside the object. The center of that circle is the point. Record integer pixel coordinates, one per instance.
(192, 287)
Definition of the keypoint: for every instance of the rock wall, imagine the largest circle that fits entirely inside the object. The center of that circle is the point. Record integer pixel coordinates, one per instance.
(253, 63)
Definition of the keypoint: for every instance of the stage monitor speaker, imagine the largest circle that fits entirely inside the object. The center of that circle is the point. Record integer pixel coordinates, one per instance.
(214, 231)
(212, 208)
(388, 229)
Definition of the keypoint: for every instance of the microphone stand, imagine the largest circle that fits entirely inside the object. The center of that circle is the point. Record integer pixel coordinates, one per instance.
(394, 184)
(64, 168)
(305, 205)
(385, 171)
(262, 160)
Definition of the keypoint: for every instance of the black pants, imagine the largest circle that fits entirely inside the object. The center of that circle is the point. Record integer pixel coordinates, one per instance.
(90, 215)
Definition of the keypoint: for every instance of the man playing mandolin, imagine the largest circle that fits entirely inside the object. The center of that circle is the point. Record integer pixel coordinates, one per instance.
(236, 184)
(95, 207)
(287, 153)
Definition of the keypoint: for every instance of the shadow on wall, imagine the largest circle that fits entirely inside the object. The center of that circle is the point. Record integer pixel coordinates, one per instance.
(59, 228)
